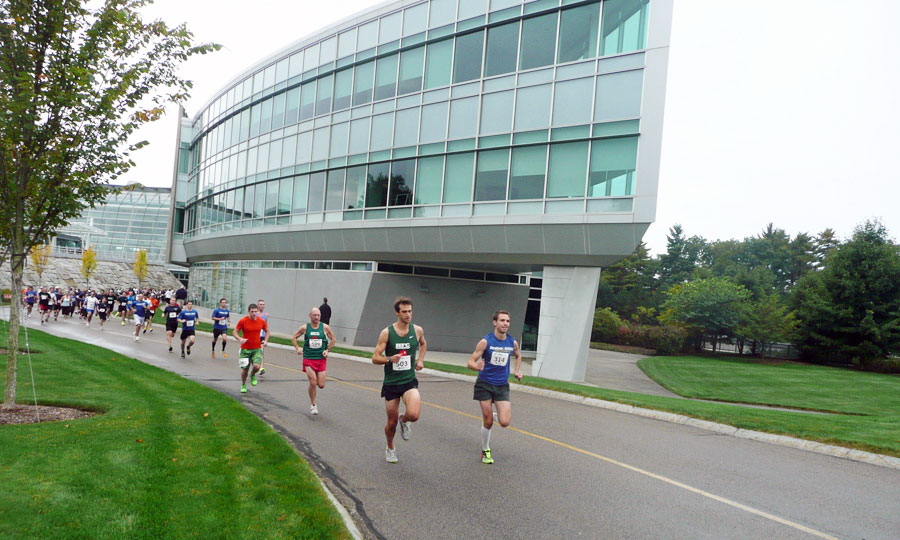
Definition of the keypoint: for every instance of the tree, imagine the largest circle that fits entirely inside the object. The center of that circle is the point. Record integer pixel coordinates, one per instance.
(766, 322)
(40, 260)
(850, 310)
(141, 266)
(682, 258)
(713, 307)
(77, 78)
(825, 242)
(88, 264)
(630, 284)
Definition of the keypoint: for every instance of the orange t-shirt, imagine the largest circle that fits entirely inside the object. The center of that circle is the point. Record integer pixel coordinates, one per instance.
(250, 330)
(154, 303)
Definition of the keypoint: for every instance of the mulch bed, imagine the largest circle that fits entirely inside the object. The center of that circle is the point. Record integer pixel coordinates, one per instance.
(26, 414)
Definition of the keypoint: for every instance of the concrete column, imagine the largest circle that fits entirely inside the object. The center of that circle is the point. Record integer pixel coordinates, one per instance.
(568, 296)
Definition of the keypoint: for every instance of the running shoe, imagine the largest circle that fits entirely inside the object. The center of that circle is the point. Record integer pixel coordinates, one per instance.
(214, 354)
(224, 355)
(136, 338)
(86, 324)
(151, 330)
(313, 409)
(486, 457)
(262, 371)
(404, 430)
(145, 330)
(390, 455)
(182, 354)
(123, 323)
(253, 379)
(189, 350)
(243, 388)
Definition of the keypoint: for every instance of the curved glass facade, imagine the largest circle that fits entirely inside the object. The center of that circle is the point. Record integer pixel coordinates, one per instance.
(447, 108)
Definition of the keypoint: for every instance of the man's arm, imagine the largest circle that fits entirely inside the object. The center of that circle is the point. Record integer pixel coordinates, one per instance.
(476, 361)
(300, 331)
(423, 347)
(235, 333)
(265, 339)
(518, 353)
(378, 356)
(331, 340)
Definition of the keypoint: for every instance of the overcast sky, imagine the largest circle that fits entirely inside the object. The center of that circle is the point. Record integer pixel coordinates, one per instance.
(783, 112)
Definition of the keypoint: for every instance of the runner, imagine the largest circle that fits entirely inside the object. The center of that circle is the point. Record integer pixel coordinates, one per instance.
(252, 328)
(188, 318)
(491, 361)
(317, 343)
(123, 306)
(220, 316)
(154, 303)
(44, 305)
(90, 305)
(55, 302)
(264, 315)
(141, 308)
(397, 349)
(30, 298)
(66, 303)
(171, 315)
(102, 310)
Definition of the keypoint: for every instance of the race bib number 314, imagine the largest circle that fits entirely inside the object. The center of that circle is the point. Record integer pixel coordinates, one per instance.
(499, 358)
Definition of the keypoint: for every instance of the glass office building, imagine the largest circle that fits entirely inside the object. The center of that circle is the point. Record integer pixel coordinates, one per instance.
(495, 136)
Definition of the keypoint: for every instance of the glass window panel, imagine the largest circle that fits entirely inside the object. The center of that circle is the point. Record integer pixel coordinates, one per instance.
(490, 176)
(311, 57)
(458, 178)
(442, 12)
(502, 4)
(568, 170)
(347, 43)
(471, 8)
(323, 104)
(467, 60)
(304, 146)
(269, 77)
(612, 167)
(229, 207)
(402, 178)
(428, 180)
(355, 190)
(538, 43)
(271, 198)
(411, 64)
(377, 184)
(334, 194)
(496, 113)
(438, 63)
(281, 70)
(292, 106)
(406, 127)
(320, 143)
(502, 49)
(328, 50)
(434, 122)
(339, 133)
(362, 83)
(244, 131)
(278, 111)
(289, 152)
(259, 201)
(275, 154)
(415, 19)
(618, 95)
(359, 135)
(316, 192)
(263, 162)
(343, 89)
(463, 117)
(307, 100)
(252, 156)
(368, 36)
(533, 107)
(526, 178)
(254, 120)
(296, 65)
(624, 26)
(382, 131)
(386, 77)
(301, 184)
(239, 204)
(390, 27)
(578, 28)
(572, 102)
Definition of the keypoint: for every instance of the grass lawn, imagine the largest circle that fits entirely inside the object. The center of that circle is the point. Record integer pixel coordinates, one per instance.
(169, 458)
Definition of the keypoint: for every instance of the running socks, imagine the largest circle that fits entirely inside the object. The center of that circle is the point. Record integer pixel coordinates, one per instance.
(485, 438)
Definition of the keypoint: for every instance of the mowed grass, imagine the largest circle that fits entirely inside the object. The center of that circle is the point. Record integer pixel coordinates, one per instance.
(168, 458)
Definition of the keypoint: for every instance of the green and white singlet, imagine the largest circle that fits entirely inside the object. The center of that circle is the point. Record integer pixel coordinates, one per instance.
(315, 341)
(404, 370)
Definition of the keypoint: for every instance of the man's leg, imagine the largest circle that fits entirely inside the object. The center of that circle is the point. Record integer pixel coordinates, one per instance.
(313, 383)
(487, 422)
(504, 413)
(413, 404)
(191, 344)
(392, 408)
(215, 339)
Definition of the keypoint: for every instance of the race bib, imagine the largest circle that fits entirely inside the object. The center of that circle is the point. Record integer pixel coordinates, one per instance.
(173, 314)
(499, 358)
(243, 363)
(189, 323)
(404, 364)
(315, 343)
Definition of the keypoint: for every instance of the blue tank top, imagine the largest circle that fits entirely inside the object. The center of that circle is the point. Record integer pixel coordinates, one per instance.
(497, 356)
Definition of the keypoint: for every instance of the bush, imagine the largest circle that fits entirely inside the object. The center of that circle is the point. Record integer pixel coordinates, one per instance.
(606, 325)
(665, 340)
(3, 294)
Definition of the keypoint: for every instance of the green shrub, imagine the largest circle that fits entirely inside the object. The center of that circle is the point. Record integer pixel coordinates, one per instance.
(606, 325)
(665, 340)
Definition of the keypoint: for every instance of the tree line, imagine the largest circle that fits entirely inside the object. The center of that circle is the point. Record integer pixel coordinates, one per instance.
(836, 301)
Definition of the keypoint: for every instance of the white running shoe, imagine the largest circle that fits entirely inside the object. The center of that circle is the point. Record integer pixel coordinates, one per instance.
(137, 338)
(313, 409)
(390, 455)
(404, 430)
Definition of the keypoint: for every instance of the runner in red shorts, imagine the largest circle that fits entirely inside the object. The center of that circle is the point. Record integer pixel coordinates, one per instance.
(317, 342)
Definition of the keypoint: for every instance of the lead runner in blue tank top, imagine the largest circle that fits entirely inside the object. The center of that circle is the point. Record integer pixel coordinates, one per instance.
(491, 361)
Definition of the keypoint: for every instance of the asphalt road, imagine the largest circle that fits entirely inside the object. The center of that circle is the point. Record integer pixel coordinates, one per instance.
(562, 470)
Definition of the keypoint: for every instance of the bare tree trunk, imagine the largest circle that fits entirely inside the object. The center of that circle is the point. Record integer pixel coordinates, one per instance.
(17, 267)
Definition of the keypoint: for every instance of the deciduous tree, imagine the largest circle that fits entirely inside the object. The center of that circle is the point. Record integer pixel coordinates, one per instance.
(40, 260)
(88, 264)
(141, 266)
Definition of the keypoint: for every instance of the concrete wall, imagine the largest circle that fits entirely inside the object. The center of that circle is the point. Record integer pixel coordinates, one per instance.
(65, 272)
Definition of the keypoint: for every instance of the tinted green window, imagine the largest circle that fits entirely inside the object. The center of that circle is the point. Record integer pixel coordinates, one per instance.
(271, 198)
(307, 101)
(568, 170)
(406, 127)
(533, 107)
(578, 29)
(382, 131)
(323, 104)
(612, 167)
(411, 65)
(355, 190)
(434, 122)
(467, 60)
(244, 132)
(359, 135)
(254, 120)
(301, 184)
(438, 63)
(428, 180)
(442, 12)
(259, 201)
(463, 117)
(490, 176)
(343, 89)
(572, 102)
(334, 193)
(526, 178)
(339, 133)
(538, 43)
(402, 178)
(265, 117)
(278, 111)
(292, 106)
(316, 192)
(502, 49)
(377, 184)
(414, 19)
(362, 83)
(458, 178)
(624, 26)
(284, 196)
(386, 77)
(496, 113)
